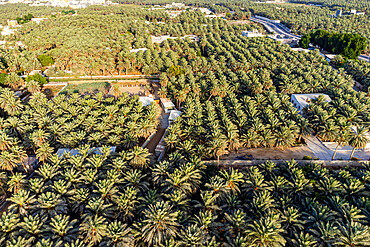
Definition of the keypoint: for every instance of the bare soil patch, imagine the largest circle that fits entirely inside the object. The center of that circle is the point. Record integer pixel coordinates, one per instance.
(239, 22)
(51, 91)
(270, 153)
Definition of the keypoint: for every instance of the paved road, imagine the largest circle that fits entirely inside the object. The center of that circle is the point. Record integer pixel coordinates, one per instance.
(278, 28)
(320, 150)
(365, 58)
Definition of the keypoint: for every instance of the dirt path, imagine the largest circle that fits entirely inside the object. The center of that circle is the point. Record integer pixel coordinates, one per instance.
(270, 153)
(154, 142)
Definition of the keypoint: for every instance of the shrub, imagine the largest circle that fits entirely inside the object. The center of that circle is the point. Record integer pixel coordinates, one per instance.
(306, 157)
(2, 78)
(45, 60)
(37, 77)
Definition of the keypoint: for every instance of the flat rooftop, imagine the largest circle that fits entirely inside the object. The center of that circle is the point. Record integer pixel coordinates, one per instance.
(305, 99)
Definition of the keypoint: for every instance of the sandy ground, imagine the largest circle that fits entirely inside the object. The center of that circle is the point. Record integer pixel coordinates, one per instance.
(271, 153)
(232, 22)
(51, 91)
(133, 90)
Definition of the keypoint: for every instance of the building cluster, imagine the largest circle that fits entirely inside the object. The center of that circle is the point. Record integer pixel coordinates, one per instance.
(252, 34)
(75, 4)
(352, 12)
(12, 26)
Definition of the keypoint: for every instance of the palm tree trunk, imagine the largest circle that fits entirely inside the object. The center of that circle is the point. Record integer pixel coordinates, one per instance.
(336, 149)
(353, 151)
(218, 162)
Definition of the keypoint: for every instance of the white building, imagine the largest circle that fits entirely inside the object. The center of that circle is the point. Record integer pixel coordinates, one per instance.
(7, 31)
(73, 152)
(38, 20)
(146, 101)
(252, 34)
(300, 101)
(174, 114)
(167, 105)
(139, 49)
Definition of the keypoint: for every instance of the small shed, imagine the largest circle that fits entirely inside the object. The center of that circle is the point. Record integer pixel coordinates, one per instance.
(167, 105)
(300, 101)
(174, 114)
(146, 100)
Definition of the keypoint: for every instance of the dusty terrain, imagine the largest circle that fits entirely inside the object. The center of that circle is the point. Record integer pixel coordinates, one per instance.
(270, 153)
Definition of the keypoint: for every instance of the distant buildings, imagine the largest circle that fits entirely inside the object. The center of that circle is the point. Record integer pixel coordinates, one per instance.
(300, 101)
(7, 31)
(175, 5)
(160, 39)
(352, 12)
(252, 34)
(12, 23)
(74, 4)
(139, 49)
(38, 20)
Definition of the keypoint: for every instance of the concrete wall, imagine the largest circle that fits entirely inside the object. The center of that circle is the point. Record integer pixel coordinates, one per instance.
(326, 163)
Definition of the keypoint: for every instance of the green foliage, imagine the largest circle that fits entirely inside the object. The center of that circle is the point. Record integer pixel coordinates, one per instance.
(67, 12)
(37, 77)
(2, 78)
(24, 19)
(304, 42)
(101, 200)
(176, 70)
(45, 60)
(87, 88)
(360, 70)
(306, 157)
(346, 44)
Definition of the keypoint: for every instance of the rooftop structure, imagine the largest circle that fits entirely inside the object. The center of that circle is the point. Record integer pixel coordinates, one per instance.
(38, 20)
(300, 101)
(252, 34)
(73, 152)
(167, 105)
(12, 23)
(139, 49)
(30, 163)
(160, 39)
(7, 31)
(146, 100)
(175, 5)
(174, 114)
(211, 16)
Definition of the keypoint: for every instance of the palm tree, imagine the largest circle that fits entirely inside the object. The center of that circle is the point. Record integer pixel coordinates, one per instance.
(138, 157)
(354, 234)
(118, 235)
(61, 229)
(16, 182)
(358, 139)
(13, 80)
(33, 86)
(159, 223)
(218, 148)
(43, 152)
(94, 228)
(266, 231)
